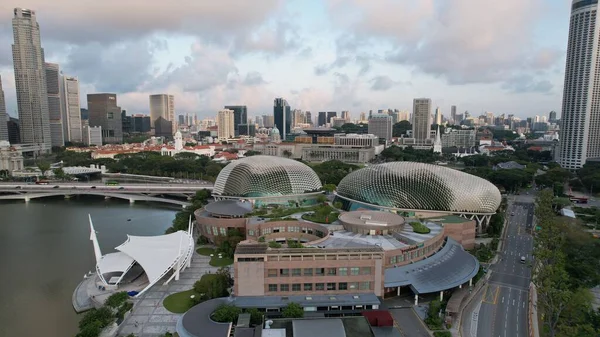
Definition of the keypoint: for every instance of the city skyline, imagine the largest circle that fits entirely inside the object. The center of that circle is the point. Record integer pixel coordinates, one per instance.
(317, 62)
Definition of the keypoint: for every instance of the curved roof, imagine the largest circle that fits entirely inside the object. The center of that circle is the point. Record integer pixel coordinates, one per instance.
(229, 208)
(371, 218)
(418, 186)
(262, 176)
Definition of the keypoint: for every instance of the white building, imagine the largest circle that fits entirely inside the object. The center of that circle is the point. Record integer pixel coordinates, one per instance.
(92, 135)
(225, 122)
(580, 130)
(162, 105)
(438, 116)
(71, 109)
(421, 119)
(178, 147)
(11, 158)
(380, 125)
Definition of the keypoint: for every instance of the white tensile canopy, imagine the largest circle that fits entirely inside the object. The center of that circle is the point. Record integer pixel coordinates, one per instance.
(157, 255)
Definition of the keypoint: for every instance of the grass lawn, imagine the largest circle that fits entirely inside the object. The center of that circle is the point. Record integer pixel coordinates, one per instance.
(180, 302)
(215, 261)
(321, 218)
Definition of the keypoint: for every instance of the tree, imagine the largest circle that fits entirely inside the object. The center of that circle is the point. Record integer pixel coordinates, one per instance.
(329, 188)
(226, 313)
(59, 173)
(321, 198)
(43, 165)
(251, 153)
(256, 317)
(117, 299)
(400, 128)
(287, 153)
(293, 310)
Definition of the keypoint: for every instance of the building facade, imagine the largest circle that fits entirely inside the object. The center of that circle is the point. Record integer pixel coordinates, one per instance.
(580, 130)
(421, 119)
(104, 112)
(163, 105)
(282, 116)
(30, 79)
(92, 135)
(3, 116)
(72, 126)
(226, 123)
(11, 158)
(240, 116)
(54, 104)
(380, 125)
(459, 138)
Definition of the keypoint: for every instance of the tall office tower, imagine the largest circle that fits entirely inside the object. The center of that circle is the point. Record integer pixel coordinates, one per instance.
(162, 105)
(404, 116)
(380, 125)
(30, 80)
(580, 130)
(104, 112)
(330, 115)
(69, 102)
(268, 121)
(298, 117)
(225, 122)
(363, 117)
(240, 116)
(395, 116)
(258, 121)
(3, 116)
(308, 117)
(536, 119)
(453, 114)
(438, 116)
(346, 115)
(181, 120)
(282, 114)
(552, 117)
(322, 118)
(421, 119)
(54, 104)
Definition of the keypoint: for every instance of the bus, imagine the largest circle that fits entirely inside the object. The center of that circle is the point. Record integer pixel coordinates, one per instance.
(112, 183)
(42, 182)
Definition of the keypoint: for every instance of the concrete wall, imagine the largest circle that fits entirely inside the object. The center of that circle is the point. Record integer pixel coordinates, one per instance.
(250, 278)
(463, 233)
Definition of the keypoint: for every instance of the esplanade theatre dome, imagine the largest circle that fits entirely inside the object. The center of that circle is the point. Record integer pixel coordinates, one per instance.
(265, 176)
(418, 186)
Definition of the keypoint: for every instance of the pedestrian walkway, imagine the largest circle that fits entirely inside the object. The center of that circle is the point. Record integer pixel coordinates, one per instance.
(149, 317)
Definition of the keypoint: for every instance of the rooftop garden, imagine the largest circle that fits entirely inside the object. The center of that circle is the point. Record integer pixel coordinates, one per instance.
(208, 287)
(324, 214)
(419, 228)
(216, 259)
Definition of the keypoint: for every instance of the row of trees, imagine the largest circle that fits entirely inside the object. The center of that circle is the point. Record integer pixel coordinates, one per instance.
(566, 265)
(94, 321)
(182, 217)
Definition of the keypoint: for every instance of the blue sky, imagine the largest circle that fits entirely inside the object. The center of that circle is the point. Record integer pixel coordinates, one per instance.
(481, 55)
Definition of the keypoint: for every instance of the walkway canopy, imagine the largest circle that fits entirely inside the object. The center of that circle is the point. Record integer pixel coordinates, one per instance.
(157, 255)
(447, 269)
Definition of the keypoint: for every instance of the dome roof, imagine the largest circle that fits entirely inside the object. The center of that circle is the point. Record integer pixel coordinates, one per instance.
(275, 130)
(262, 176)
(418, 186)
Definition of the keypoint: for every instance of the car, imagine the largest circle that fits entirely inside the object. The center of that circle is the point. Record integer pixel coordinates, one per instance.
(18, 187)
(512, 214)
(93, 186)
(523, 259)
(121, 188)
(56, 186)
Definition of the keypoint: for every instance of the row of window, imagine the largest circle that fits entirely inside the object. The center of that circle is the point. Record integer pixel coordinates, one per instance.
(320, 286)
(408, 256)
(342, 271)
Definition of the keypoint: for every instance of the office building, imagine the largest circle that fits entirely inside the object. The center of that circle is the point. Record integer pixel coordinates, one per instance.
(140, 123)
(247, 130)
(3, 116)
(453, 114)
(438, 116)
(421, 119)
(282, 115)
(92, 135)
(54, 104)
(308, 117)
(162, 105)
(225, 121)
(72, 127)
(552, 117)
(14, 130)
(380, 125)
(580, 131)
(330, 115)
(322, 118)
(126, 123)
(163, 128)
(459, 138)
(268, 121)
(30, 80)
(104, 112)
(346, 115)
(182, 120)
(240, 116)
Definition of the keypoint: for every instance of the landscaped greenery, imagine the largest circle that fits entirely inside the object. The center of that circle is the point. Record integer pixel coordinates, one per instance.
(208, 287)
(293, 310)
(226, 313)
(181, 302)
(433, 320)
(215, 261)
(324, 214)
(442, 334)
(94, 321)
(333, 171)
(483, 252)
(419, 228)
(274, 244)
(182, 218)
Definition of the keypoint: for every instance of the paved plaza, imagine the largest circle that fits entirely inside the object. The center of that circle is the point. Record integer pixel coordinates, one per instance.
(149, 318)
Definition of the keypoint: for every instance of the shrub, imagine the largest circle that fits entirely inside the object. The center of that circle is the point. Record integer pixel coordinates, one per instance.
(419, 228)
(117, 299)
(103, 316)
(293, 310)
(442, 334)
(256, 317)
(202, 240)
(123, 309)
(261, 239)
(274, 244)
(226, 313)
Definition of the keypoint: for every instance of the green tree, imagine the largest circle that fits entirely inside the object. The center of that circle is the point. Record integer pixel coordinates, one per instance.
(251, 153)
(329, 188)
(59, 173)
(226, 313)
(116, 300)
(400, 128)
(256, 317)
(43, 166)
(287, 153)
(293, 310)
(101, 317)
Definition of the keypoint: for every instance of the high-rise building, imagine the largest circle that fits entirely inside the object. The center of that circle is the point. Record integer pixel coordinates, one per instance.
(258, 121)
(330, 115)
(240, 116)
(552, 117)
(346, 115)
(363, 117)
(225, 121)
(104, 112)
(54, 104)
(453, 114)
(421, 119)
(298, 117)
(268, 121)
(92, 135)
(380, 125)
(322, 118)
(140, 123)
(580, 130)
(3, 116)
(30, 79)
(282, 115)
(181, 120)
(69, 97)
(163, 128)
(308, 117)
(438, 116)
(162, 105)
(14, 132)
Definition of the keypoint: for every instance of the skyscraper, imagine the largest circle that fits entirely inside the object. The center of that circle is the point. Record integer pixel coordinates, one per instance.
(421, 119)
(30, 79)
(322, 118)
(162, 105)
(453, 114)
(54, 104)
(380, 125)
(240, 116)
(438, 116)
(282, 115)
(225, 122)
(580, 131)
(104, 112)
(308, 117)
(552, 117)
(69, 94)
(330, 115)
(3, 116)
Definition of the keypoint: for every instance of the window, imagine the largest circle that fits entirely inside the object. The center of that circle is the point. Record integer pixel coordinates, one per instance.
(331, 271)
(272, 287)
(308, 272)
(365, 271)
(353, 285)
(296, 287)
(343, 271)
(296, 272)
(319, 271)
(284, 287)
(272, 272)
(365, 285)
(284, 272)
(319, 286)
(343, 286)
(354, 271)
(307, 286)
(223, 231)
(330, 286)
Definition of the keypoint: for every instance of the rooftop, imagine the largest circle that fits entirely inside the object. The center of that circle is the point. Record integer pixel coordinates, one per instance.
(263, 248)
(371, 218)
(305, 301)
(356, 326)
(229, 207)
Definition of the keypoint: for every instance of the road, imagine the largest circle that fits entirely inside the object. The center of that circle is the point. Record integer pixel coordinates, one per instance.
(501, 307)
(123, 188)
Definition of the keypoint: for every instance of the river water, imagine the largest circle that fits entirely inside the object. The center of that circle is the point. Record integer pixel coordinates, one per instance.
(45, 251)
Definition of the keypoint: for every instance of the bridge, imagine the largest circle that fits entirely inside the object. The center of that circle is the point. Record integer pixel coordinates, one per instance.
(131, 192)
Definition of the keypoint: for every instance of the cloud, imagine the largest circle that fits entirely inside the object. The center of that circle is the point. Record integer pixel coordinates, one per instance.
(382, 83)
(347, 52)
(253, 79)
(527, 84)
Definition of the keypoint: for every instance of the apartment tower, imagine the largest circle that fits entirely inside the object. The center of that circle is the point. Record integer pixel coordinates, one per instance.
(30, 80)
(225, 122)
(421, 119)
(580, 130)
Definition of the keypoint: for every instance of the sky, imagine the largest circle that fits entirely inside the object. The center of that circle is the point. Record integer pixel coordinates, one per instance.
(321, 55)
